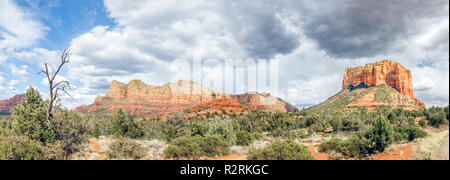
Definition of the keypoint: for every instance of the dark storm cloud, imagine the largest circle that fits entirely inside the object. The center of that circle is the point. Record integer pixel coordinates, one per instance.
(364, 28)
(259, 29)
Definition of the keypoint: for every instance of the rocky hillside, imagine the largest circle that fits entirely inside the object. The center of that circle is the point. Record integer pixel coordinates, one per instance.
(6, 105)
(385, 83)
(389, 72)
(142, 99)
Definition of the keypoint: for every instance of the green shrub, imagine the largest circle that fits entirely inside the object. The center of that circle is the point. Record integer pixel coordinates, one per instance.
(30, 118)
(423, 123)
(197, 146)
(225, 130)
(381, 135)
(173, 128)
(436, 116)
(353, 147)
(184, 147)
(125, 149)
(280, 124)
(244, 138)
(330, 145)
(281, 150)
(214, 145)
(392, 117)
(123, 125)
(199, 128)
(70, 130)
(13, 147)
(409, 133)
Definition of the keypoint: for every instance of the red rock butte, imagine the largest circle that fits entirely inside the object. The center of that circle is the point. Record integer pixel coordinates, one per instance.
(6, 105)
(136, 96)
(374, 74)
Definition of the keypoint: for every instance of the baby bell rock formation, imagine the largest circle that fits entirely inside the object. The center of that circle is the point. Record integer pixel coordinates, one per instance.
(7, 104)
(142, 99)
(374, 74)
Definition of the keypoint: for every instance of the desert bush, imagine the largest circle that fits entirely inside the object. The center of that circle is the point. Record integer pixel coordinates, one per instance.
(15, 147)
(174, 127)
(197, 146)
(30, 118)
(123, 125)
(126, 149)
(354, 147)
(244, 138)
(70, 130)
(281, 150)
(330, 145)
(392, 117)
(409, 133)
(199, 128)
(336, 123)
(225, 130)
(436, 116)
(280, 124)
(423, 123)
(351, 123)
(152, 129)
(214, 145)
(381, 135)
(184, 147)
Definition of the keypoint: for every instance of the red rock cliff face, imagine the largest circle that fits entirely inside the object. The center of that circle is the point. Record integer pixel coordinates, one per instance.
(389, 72)
(6, 105)
(136, 96)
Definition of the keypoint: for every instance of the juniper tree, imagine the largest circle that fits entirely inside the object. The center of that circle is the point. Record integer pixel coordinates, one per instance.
(30, 117)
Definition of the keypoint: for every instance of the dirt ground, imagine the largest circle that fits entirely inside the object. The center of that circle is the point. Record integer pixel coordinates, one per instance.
(443, 152)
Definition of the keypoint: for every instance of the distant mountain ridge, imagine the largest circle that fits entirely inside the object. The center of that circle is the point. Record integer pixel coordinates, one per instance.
(7, 104)
(142, 99)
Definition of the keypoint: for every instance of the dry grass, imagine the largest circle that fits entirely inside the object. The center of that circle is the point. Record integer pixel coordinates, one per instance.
(428, 146)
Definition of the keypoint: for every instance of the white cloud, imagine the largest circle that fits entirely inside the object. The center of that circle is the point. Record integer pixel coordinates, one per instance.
(17, 27)
(151, 34)
(13, 83)
(19, 71)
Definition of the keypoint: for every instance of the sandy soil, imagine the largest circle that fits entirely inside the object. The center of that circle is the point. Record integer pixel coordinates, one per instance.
(443, 150)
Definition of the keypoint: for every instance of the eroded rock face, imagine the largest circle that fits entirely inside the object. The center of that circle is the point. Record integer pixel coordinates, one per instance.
(389, 72)
(6, 105)
(140, 98)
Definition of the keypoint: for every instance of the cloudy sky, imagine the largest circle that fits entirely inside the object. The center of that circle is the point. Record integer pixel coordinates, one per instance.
(312, 41)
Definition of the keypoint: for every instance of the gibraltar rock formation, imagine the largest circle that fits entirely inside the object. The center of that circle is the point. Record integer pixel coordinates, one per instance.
(389, 72)
(142, 99)
(8, 104)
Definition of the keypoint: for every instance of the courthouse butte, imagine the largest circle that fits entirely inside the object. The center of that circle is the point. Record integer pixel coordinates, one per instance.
(384, 83)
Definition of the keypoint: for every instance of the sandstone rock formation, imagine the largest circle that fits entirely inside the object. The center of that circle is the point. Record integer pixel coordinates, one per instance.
(141, 99)
(6, 105)
(389, 72)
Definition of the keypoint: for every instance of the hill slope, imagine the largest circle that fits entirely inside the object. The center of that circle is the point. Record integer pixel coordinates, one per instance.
(370, 97)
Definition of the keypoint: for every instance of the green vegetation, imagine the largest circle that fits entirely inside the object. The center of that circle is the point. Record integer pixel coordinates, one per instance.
(281, 150)
(197, 146)
(408, 133)
(437, 116)
(30, 118)
(26, 134)
(125, 126)
(125, 149)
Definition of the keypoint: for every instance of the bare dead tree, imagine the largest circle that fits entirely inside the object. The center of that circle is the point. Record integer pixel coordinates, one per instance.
(56, 87)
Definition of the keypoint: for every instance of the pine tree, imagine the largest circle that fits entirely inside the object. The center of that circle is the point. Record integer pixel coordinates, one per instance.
(381, 135)
(392, 117)
(30, 118)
